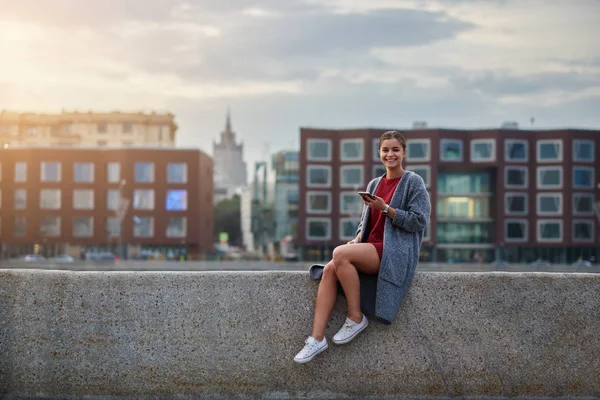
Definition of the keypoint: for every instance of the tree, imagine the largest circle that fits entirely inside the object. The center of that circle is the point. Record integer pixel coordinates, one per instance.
(228, 219)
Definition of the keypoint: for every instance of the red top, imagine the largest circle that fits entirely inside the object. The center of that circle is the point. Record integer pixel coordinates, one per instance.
(385, 190)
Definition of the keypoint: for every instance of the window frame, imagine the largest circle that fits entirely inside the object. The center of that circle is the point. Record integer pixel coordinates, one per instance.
(88, 217)
(108, 171)
(153, 177)
(374, 171)
(185, 226)
(310, 157)
(352, 166)
(185, 172)
(42, 169)
(376, 150)
(310, 167)
(427, 169)
(17, 169)
(350, 194)
(589, 142)
(538, 181)
(506, 203)
(462, 150)
(140, 191)
(592, 178)
(539, 223)
(361, 157)
(317, 219)
(582, 194)
(426, 158)
(58, 218)
(341, 225)
(50, 190)
(508, 142)
(541, 213)
(310, 193)
(185, 197)
(153, 226)
(584, 221)
(92, 172)
(75, 207)
(19, 190)
(523, 221)
(491, 141)
(540, 142)
(516, 167)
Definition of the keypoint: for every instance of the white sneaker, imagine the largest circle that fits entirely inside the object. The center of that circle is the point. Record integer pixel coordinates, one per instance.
(350, 330)
(311, 349)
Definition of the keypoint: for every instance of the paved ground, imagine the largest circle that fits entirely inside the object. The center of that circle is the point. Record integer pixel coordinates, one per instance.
(270, 266)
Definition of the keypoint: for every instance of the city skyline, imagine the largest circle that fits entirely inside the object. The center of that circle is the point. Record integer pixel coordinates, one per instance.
(284, 65)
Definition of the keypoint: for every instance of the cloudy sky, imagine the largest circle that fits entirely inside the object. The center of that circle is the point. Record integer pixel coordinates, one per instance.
(282, 64)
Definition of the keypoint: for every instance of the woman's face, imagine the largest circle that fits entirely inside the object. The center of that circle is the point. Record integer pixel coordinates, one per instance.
(391, 153)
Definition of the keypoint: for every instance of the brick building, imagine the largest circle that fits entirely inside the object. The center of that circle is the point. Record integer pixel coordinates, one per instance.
(63, 200)
(505, 194)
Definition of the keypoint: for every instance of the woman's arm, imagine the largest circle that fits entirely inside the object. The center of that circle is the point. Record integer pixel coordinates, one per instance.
(416, 217)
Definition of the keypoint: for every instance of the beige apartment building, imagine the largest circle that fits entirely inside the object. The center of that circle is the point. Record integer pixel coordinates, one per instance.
(87, 129)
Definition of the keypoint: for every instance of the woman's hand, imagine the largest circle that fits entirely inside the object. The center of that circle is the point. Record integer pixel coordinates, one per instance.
(376, 202)
(355, 240)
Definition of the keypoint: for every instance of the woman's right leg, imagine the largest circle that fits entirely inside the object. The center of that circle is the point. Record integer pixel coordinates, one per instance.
(326, 297)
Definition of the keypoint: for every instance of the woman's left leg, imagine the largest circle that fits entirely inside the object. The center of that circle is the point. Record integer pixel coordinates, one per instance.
(348, 261)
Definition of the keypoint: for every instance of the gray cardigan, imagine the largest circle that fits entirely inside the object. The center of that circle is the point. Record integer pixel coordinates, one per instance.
(402, 238)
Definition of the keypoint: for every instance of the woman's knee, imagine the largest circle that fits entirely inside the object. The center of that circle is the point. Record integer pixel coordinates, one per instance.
(340, 255)
(329, 271)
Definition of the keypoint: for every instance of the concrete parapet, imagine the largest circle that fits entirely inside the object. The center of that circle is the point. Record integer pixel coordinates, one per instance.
(67, 334)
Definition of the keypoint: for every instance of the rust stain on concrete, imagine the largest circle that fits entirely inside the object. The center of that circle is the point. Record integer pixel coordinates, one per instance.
(189, 384)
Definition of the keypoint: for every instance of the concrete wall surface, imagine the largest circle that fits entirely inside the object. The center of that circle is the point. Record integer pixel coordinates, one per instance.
(155, 335)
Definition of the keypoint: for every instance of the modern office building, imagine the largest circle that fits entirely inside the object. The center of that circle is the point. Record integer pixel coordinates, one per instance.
(507, 194)
(285, 165)
(153, 201)
(87, 129)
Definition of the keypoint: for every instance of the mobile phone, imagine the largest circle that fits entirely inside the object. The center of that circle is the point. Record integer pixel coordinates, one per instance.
(366, 195)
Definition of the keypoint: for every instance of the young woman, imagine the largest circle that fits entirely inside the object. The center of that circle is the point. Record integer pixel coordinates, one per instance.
(396, 214)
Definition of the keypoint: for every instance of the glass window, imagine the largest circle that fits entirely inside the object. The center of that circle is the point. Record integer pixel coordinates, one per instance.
(583, 231)
(143, 226)
(318, 202)
(113, 226)
(515, 203)
(376, 149)
(20, 199)
(144, 172)
(583, 204)
(583, 150)
(83, 172)
(424, 171)
(350, 203)
(50, 199)
(516, 150)
(319, 150)
(549, 230)
(318, 228)
(465, 232)
(113, 172)
(177, 227)
(83, 226)
(351, 150)
(348, 228)
(549, 204)
(127, 127)
(464, 183)
(19, 226)
(549, 150)
(21, 172)
(177, 173)
(549, 177)
(112, 199)
(50, 171)
(176, 200)
(418, 150)
(50, 226)
(516, 177)
(351, 175)
(515, 230)
(318, 176)
(451, 150)
(378, 170)
(583, 177)
(143, 199)
(83, 199)
(483, 150)
(102, 127)
(463, 207)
